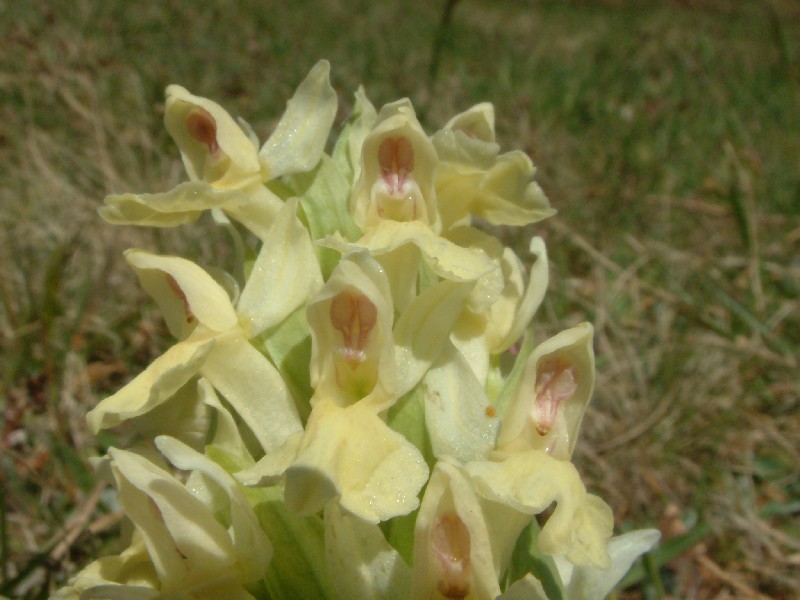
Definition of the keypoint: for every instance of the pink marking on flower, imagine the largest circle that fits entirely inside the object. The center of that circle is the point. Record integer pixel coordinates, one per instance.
(450, 543)
(173, 285)
(202, 127)
(354, 315)
(396, 159)
(556, 381)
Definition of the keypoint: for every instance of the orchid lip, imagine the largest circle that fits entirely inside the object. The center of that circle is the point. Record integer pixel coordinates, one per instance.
(396, 159)
(450, 542)
(396, 194)
(556, 382)
(203, 128)
(354, 316)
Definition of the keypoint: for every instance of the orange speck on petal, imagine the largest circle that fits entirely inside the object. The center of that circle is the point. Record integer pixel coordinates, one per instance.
(491, 411)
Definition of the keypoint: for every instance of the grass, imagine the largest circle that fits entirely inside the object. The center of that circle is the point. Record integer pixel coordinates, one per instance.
(668, 137)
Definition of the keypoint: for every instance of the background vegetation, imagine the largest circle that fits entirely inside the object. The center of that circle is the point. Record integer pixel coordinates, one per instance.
(667, 135)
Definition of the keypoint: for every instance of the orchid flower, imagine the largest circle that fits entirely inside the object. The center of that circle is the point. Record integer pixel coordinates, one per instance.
(452, 543)
(181, 549)
(551, 396)
(339, 421)
(227, 171)
(497, 318)
(214, 334)
(530, 482)
(362, 363)
(394, 203)
(396, 177)
(473, 178)
(530, 467)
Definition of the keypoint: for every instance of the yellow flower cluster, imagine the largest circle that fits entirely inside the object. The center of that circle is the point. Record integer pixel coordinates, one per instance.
(334, 420)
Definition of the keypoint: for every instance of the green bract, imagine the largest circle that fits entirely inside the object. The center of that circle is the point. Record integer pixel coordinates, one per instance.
(334, 420)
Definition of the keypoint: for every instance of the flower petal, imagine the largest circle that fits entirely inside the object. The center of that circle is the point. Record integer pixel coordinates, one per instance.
(182, 204)
(213, 145)
(445, 258)
(297, 143)
(284, 275)
(488, 287)
(423, 329)
(366, 566)
(507, 196)
(250, 543)
(365, 116)
(477, 122)
(531, 481)
(254, 389)
(270, 468)
(253, 206)
(352, 453)
(258, 212)
(183, 291)
(460, 420)
(153, 386)
(515, 310)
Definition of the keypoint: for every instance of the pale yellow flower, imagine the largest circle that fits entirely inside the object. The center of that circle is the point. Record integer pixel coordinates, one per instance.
(181, 551)
(529, 482)
(365, 564)
(530, 468)
(452, 543)
(226, 168)
(362, 362)
(474, 179)
(552, 394)
(397, 167)
(214, 334)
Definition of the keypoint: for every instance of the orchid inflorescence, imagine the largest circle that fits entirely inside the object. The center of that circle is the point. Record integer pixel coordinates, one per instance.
(358, 410)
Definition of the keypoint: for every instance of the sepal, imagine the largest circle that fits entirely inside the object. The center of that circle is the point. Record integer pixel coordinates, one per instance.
(297, 143)
(366, 566)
